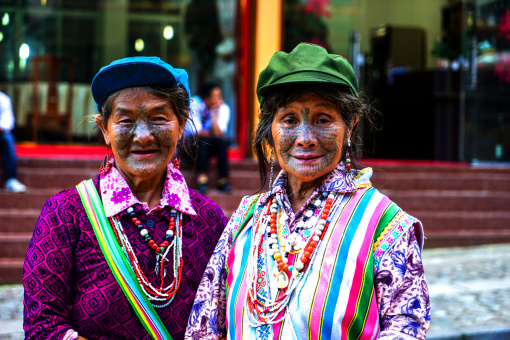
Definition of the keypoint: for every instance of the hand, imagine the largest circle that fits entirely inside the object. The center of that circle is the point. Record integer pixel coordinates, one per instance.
(214, 114)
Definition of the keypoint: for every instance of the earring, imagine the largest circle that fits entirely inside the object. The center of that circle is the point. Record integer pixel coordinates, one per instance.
(348, 157)
(271, 176)
(348, 175)
(106, 165)
(177, 163)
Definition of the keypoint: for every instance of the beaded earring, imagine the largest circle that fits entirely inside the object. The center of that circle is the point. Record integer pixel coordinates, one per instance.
(348, 157)
(106, 165)
(177, 163)
(271, 176)
(348, 175)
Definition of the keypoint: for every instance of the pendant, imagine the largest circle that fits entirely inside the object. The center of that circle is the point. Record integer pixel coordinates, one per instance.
(282, 280)
(157, 269)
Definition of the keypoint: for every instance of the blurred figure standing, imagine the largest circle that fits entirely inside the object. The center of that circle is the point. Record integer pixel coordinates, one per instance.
(7, 145)
(211, 115)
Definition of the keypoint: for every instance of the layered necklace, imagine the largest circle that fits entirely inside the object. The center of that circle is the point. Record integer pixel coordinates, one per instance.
(272, 234)
(162, 296)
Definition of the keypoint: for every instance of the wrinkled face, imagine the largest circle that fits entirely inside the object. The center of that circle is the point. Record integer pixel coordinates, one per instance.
(143, 132)
(309, 135)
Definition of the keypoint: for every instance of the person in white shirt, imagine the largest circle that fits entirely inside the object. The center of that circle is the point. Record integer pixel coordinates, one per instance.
(7, 145)
(210, 117)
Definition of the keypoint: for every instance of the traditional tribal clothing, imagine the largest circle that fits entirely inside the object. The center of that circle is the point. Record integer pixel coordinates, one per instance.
(365, 281)
(68, 284)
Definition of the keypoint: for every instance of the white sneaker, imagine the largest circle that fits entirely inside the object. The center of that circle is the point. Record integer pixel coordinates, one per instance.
(14, 185)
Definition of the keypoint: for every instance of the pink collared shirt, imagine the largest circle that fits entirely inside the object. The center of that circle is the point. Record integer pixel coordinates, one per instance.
(117, 195)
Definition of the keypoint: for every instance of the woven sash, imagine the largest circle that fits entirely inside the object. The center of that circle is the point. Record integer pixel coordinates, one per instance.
(119, 264)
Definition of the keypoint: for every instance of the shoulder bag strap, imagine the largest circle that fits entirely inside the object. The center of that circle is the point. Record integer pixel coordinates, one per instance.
(118, 262)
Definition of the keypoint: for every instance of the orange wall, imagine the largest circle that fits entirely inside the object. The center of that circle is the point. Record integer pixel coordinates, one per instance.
(268, 27)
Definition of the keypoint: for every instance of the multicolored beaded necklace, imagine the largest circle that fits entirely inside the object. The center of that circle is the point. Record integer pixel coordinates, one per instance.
(162, 294)
(303, 242)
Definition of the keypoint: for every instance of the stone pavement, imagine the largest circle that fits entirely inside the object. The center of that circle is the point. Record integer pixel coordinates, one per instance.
(469, 289)
(470, 292)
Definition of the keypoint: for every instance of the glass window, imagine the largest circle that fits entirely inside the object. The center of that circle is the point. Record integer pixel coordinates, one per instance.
(487, 80)
(197, 35)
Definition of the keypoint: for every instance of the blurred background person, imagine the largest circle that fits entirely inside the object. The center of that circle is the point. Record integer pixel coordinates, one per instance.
(7, 146)
(210, 116)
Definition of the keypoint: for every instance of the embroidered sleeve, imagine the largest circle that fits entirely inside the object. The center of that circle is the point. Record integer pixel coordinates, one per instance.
(47, 274)
(207, 318)
(401, 289)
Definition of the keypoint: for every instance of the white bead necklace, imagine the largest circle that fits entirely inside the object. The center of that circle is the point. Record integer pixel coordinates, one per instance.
(265, 310)
(161, 294)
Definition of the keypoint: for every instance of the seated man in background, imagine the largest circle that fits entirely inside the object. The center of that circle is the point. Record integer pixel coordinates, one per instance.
(210, 116)
(7, 145)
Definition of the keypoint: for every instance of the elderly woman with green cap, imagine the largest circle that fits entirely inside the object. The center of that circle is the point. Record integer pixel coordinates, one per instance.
(322, 254)
(121, 255)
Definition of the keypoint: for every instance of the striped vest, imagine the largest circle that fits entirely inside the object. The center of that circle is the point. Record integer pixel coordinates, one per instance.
(336, 298)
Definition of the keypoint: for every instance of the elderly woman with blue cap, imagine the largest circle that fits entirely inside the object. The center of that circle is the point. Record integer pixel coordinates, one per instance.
(322, 255)
(121, 255)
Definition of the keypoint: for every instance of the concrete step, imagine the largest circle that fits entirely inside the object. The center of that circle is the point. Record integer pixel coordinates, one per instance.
(411, 201)
(397, 166)
(463, 238)
(249, 180)
(14, 245)
(19, 220)
(450, 200)
(440, 181)
(31, 199)
(11, 270)
(402, 166)
(45, 178)
(45, 163)
(60, 178)
(463, 220)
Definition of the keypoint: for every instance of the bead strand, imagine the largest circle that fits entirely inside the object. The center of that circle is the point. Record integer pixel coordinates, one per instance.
(161, 294)
(263, 310)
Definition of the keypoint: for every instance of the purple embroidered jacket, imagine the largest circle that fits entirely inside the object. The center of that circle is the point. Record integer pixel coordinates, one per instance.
(68, 284)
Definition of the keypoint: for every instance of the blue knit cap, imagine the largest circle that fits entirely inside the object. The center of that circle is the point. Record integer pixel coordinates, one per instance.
(133, 72)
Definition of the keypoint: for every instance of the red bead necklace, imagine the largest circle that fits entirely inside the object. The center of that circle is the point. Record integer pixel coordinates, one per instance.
(160, 294)
(267, 311)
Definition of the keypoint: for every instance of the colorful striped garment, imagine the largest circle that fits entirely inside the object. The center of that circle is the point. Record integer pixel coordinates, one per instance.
(358, 285)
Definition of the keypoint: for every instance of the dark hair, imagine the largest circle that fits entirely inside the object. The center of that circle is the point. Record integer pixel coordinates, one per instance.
(175, 95)
(206, 89)
(347, 104)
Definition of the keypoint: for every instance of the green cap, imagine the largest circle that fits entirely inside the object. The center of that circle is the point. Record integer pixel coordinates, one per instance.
(306, 63)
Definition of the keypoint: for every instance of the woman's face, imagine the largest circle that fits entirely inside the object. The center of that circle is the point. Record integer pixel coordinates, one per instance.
(143, 131)
(309, 135)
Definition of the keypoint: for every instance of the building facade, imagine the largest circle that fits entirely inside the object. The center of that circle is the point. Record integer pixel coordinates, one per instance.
(438, 71)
